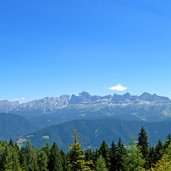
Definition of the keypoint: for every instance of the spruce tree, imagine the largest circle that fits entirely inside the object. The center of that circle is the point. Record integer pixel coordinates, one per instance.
(95, 155)
(104, 152)
(143, 143)
(42, 160)
(89, 158)
(159, 149)
(151, 157)
(55, 159)
(47, 149)
(11, 159)
(101, 164)
(3, 146)
(88, 154)
(28, 158)
(120, 154)
(64, 161)
(164, 164)
(134, 160)
(167, 142)
(76, 156)
(113, 151)
(11, 142)
(155, 154)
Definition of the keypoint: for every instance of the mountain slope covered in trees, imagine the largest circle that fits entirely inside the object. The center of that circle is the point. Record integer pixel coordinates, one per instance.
(139, 156)
(92, 132)
(12, 126)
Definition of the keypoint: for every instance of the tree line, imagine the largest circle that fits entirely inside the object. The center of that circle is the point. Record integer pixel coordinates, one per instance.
(138, 156)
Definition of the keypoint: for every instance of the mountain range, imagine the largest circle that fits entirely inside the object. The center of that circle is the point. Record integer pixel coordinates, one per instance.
(55, 110)
(39, 115)
(50, 104)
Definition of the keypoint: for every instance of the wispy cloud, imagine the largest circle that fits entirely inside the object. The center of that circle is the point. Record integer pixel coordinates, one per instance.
(118, 87)
(20, 99)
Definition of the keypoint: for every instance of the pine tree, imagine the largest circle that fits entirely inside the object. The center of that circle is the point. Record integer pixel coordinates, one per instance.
(11, 160)
(120, 154)
(104, 152)
(47, 149)
(95, 155)
(167, 142)
(88, 154)
(151, 157)
(89, 158)
(143, 143)
(155, 154)
(55, 159)
(11, 142)
(3, 146)
(159, 149)
(64, 161)
(113, 151)
(101, 164)
(164, 164)
(76, 156)
(28, 158)
(134, 160)
(42, 160)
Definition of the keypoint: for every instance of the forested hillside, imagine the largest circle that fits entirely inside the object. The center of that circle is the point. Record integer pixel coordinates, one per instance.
(13, 126)
(93, 132)
(138, 156)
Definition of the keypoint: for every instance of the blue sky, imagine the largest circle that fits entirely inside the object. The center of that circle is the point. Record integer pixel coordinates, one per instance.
(49, 48)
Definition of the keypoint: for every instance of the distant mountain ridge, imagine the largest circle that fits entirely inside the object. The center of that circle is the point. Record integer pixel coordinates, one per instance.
(7, 106)
(42, 113)
(13, 126)
(93, 132)
(49, 104)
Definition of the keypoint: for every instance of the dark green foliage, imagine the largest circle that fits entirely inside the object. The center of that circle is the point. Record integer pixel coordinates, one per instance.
(28, 158)
(11, 159)
(55, 159)
(3, 146)
(11, 143)
(104, 152)
(101, 164)
(116, 158)
(113, 152)
(151, 157)
(42, 160)
(143, 143)
(159, 149)
(120, 154)
(47, 149)
(64, 160)
(167, 142)
(89, 154)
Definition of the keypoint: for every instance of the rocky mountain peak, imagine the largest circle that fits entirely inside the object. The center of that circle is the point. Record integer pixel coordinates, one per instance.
(48, 104)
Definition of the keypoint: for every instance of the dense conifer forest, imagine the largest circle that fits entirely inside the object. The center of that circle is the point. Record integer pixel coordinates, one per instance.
(138, 156)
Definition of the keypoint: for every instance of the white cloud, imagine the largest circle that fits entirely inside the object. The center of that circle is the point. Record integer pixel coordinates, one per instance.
(170, 92)
(118, 87)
